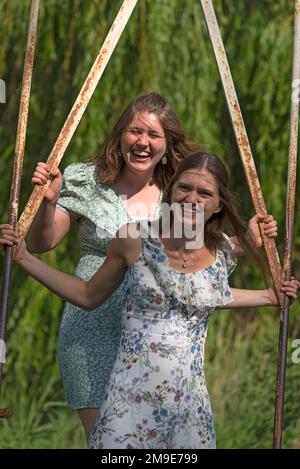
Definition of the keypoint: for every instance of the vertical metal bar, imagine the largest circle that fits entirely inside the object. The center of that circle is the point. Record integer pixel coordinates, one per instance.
(241, 137)
(76, 113)
(289, 225)
(17, 171)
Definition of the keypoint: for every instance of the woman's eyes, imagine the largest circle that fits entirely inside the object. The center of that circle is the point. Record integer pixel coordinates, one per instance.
(187, 188)
(139, 132)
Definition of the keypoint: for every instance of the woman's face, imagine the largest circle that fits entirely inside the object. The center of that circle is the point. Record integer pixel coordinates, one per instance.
(143, 143)
(194, 187)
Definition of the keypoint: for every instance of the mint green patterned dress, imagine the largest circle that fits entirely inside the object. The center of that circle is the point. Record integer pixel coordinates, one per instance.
(88, 341)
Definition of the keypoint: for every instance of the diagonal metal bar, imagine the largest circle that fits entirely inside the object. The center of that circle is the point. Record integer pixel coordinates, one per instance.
(76, 113)
(241, 137)
(17, 176)
(289, 225)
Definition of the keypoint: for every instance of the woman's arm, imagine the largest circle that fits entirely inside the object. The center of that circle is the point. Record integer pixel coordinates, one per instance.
(50, 224)
(49, 227)
(249, 298)
(252, 298)
(87, 295)
(269, 227)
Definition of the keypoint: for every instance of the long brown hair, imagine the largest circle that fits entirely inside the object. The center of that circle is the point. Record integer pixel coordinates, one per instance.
(213, 230)
(111, 161)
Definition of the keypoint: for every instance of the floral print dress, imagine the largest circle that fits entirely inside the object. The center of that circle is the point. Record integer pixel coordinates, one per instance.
(156, 396)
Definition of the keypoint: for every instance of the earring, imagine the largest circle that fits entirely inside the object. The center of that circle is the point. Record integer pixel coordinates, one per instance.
(164, 160)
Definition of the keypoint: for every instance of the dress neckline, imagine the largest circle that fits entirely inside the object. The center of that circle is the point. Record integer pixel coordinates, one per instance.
(131, 217)
(184, 272)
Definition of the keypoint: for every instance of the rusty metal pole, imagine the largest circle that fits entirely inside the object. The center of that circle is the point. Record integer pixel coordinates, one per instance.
(16, 179)
(76, 113)
(241, 137)
(289, 225)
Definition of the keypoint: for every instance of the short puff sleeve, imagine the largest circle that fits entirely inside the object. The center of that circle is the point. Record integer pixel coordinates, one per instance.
(74, 192)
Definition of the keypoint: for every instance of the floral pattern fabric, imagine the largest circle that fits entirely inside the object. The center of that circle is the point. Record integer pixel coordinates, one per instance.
(156, 396)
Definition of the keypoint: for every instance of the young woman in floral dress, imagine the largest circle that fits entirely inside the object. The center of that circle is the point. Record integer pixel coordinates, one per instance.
(156, 396)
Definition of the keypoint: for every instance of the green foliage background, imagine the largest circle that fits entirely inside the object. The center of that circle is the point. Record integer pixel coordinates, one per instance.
(166, 48)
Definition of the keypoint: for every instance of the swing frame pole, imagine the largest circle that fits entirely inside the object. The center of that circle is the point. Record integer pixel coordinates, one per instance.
(242, 139)
(76, 114)
(16, 180)
(289, 225)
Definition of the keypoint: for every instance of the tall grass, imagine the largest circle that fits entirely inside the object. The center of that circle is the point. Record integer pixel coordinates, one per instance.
(166, 48)
(241, 375)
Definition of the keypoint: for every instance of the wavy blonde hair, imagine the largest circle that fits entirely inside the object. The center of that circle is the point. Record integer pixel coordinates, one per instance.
(111, 162)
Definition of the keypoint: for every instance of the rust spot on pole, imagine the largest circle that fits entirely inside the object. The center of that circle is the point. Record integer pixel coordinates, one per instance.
(5, 413)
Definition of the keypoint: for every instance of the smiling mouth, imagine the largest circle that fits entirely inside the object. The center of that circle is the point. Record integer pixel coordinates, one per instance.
(187, 210)
(142, 156)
